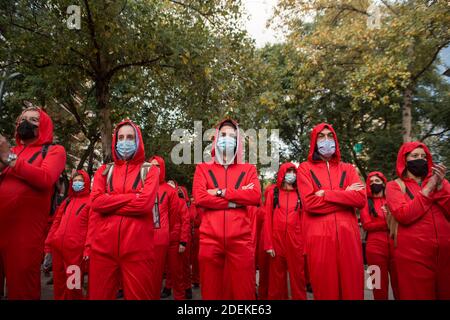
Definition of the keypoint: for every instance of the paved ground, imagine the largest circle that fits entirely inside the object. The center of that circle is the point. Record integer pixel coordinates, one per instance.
(47, 291)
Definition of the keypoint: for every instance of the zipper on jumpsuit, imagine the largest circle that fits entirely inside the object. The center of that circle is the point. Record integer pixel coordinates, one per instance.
(224, 212)
(337, 233)
(121, 218)
(287, 213)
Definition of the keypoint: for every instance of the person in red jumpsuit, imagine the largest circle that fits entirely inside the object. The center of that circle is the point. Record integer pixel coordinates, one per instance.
(224, 187)
(167, 230)
(187, 275)
(379, 245)
(331, 191)
(67, 236)
(179, 237)
(419, 200)
(283, 236)
(195, 245)
(27, 184)
(121, 251)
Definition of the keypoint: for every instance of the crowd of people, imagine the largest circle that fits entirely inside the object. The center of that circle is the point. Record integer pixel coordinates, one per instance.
(133, 230)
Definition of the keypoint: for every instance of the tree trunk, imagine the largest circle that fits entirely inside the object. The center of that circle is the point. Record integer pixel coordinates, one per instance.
(102, 98)
(406, 115)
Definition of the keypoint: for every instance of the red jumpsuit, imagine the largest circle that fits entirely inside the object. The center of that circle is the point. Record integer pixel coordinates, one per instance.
(379, 246)
(175, 260)
(332, 236)
(122, 244)
(227, 252)
(283, 234)
(187, 256)
(422, 255)
(25, 198)
(196, 245)
(67, 237)
(169, 212)
(263, 259)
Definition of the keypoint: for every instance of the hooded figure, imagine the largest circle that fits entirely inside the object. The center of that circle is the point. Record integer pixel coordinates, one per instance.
(332, 236)
(379, 246)
(195, 244)
(121, 245)
(224, 188)
(67, 236)
(283, 236)
(26, 191)
(172, 215)
(422, 255)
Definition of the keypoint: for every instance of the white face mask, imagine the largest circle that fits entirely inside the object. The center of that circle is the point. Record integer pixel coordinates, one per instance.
(290, 177)
(326, 147)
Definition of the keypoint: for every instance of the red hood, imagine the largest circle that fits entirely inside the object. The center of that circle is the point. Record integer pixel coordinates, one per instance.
(139, 156)
(162, 168)
(87, 185)
(406, 148)
(313, 143)
(238, 154)
(374, 173)
(268, 188)
(45, 134)
(282, 172)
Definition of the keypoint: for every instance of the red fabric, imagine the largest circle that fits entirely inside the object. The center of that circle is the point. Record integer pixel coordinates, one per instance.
(422, 255)
(187, 273)
(332, 237)
(196, 245)
(122, 243)
(226, 243)
(25, 199)
(67, 236)
(172, 213)
(379, 246)
(283, 234)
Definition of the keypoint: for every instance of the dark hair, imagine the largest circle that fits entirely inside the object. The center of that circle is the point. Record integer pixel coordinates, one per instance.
(228, 123)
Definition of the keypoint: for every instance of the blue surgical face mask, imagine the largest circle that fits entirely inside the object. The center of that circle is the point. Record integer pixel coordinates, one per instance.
(290, 177)
(326, 147)
(126, 148)
(77, 186)
(226, 143)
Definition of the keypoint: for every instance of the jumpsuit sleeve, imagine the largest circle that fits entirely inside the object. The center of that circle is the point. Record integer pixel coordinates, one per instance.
(311, 202)
(54, 227)
(442, 198)
(185, 222)
(351, 198)
(45, 176)
(103, 202)
(248, 197)
(369, 223)
(406, 212)
(143, 202)
(267, 224)
(202, 197)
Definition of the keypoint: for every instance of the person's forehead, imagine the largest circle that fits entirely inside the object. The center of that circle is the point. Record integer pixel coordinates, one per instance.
(78, 177)
(126, 129)
(31, 114)
(418, 151)
(375, 178)
(325, 131)
(154, 161)
(227, 129)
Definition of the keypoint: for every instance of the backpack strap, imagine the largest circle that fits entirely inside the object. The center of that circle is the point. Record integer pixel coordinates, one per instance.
(341, 183)
(213, 178)
(299, 200)
(145, 167)
(162, 197)
(42, 152)
(316, 180)
(155, 211)
(372, 207)
(80, 208)
(66, 204)
(276, 197)
(239, 180)
(108, 172)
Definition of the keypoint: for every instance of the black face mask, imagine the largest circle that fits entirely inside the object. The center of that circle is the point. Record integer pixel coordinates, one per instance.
(25, 130)
(376, 188)
(418, 167)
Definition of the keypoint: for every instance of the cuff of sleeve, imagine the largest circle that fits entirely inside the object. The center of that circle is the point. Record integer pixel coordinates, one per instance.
(183, 243)
(231, 205)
